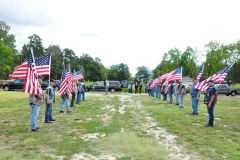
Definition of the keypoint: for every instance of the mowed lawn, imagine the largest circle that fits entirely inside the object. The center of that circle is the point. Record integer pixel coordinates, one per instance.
(104, 126)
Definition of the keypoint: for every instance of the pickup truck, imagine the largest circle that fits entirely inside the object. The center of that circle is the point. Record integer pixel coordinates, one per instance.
(224, 89)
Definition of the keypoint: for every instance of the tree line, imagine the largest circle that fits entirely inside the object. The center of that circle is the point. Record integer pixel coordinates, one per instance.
(216, 58)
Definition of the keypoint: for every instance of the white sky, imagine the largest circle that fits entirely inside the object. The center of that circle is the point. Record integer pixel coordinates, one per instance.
(133, 32)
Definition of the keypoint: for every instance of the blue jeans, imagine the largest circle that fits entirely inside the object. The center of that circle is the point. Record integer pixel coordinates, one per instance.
(64, 99)
(158, 94)
(34, 115)
(211, 114)
(177, 98)
(82, 95)
(106, 90)
(170, 97)
(78, 97)
(48, 112)
(195, 105)
(152, 92)
(182, 100)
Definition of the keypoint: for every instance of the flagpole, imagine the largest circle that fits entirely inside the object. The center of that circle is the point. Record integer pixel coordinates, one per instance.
(50, 63)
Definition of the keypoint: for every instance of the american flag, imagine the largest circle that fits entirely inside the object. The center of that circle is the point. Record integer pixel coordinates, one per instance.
(63, 85)
(200, 73)
(177, 75)
(167, 75)
(218, 77)
(31, 84)
(155, 81)
(70, 85)
(42, 66)
(79, 75)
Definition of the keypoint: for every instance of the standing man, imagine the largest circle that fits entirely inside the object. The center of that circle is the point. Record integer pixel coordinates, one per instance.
(158, 91)
(136, 87)
(106, 86)
(130, 87)
(35, 101)
(182, 92)
(210, 100)
(195, 94)
(82, 90)
(65, 99)
(170, 92)
(50, 99)
(78, 92)
(140, 88)
(177, 92)
(74, 93)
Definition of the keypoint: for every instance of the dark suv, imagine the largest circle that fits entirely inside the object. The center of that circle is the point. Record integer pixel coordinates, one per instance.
(99, 86)
(45, 84)
(14, 85)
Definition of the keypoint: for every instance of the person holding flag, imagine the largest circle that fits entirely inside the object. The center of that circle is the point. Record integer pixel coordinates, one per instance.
(195, 95)
(32, 86)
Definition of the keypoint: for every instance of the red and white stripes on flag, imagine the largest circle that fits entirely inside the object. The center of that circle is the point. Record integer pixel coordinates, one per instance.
(155, 82)
(77, 75)
(31, 84)
(217, 78)
(70, 85)
(42, 66)
(200, 73)
(176, 75)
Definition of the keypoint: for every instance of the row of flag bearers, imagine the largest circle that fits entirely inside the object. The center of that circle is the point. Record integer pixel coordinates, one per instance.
(209, 86)
(34, 69)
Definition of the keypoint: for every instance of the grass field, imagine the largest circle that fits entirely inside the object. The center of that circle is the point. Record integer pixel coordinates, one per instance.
(119, 126)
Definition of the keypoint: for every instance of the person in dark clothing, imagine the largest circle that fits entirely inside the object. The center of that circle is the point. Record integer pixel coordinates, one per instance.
(140, 88)
(136, 87)
(210, 100)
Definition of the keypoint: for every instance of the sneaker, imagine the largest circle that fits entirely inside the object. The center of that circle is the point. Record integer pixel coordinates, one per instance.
(208, 125)
(177, 104)
(181, 107)
(47, 122)
(69, 111)
(52, 120)
(37, 128)
(61, 111)
(34, 130)
(195, 114)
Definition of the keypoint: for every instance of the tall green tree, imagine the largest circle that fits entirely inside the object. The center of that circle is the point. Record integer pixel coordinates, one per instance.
(56, 61)
(6, 56)
(8, 53)
(143, 74)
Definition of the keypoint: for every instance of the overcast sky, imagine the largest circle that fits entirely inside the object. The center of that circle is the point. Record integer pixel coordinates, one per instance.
(133, 32)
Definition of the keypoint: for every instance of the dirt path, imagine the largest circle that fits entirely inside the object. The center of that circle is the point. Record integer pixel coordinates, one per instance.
(150, 126)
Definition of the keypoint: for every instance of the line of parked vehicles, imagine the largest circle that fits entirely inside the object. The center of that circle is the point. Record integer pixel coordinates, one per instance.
(114, 86)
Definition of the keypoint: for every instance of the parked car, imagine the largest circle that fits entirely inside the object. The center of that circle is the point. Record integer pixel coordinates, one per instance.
(225, 89)
(14, 85)
(99, 86)
(1, 84)
(45, 84)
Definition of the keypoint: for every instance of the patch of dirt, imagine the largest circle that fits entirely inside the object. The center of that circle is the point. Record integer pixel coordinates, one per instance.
(150, 127)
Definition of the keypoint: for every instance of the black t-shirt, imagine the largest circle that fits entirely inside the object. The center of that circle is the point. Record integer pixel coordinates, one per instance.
(212, 92)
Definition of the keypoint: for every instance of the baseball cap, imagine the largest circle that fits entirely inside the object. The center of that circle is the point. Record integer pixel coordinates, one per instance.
(39, 77)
